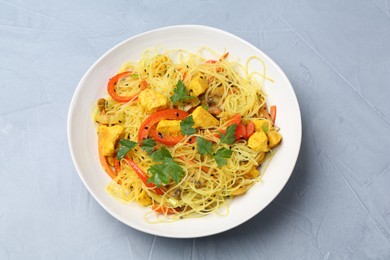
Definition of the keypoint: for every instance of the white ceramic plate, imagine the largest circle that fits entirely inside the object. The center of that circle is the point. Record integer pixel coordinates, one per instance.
(83, 139)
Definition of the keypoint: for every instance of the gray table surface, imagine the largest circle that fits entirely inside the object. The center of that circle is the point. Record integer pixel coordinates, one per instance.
(336, 54)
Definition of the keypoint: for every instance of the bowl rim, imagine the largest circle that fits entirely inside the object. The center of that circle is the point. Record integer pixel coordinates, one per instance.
(72, 107)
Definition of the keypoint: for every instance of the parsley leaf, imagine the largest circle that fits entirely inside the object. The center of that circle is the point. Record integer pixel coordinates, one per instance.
(124, 148)
(157, 175)
(173, 169)
(159, 155)
(186, 126)
(204, 146)
(221, 155)
(180, 93)
(148, 145)
(229, 137)
(165, 169)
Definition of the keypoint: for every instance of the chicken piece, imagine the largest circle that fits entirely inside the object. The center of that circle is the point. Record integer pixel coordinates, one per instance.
(253, 173)
(262, 125)
(198, 85)
(258, 142)
(203, 119)
(274, 138)
(108, 136)
(171, 127)
(151, 101)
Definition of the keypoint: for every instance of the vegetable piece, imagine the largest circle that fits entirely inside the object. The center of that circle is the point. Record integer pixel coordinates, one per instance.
(236, 119)
(143, 177)
(273, 113)
(106, 167)
(221, 155)
(240, 132)
(186, 126)
(204, 146)
(180, 93)
(152, 101)
(250, 129)
(124, 148)
(156, 117)
(165, 139)
(262, 125)
(224, 56)
(165, 169)
(229, 137)
(117, 165)
(163, 210)
(148, 145)
(114, 80)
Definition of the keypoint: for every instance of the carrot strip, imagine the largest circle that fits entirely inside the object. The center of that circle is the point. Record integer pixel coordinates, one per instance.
(163, 210)
(273, 113)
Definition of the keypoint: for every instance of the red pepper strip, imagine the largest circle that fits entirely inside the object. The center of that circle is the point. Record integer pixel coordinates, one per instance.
(250, 129)
(273, 113)
(154, 118)
(111, 87)
(163, 210)
(106, 166)
(167, 139)
(240, 132)
(116, 165)
(211, 61)
(143, 177)
(236, 119)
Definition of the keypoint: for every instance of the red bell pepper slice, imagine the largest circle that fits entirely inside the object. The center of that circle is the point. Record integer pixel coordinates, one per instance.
(250, 129)
(167, 139)
(111, 87)
(240, 132)
(168, 114)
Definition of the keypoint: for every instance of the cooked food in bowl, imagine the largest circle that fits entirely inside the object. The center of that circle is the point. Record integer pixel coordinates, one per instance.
(183, 134)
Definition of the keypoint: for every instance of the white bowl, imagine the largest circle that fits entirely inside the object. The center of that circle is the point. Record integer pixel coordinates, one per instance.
(83, 139)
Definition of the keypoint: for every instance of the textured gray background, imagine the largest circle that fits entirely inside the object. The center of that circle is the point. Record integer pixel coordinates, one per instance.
(337, 55)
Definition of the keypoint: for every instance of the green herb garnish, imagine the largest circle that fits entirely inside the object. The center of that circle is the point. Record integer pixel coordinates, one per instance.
(186, 126)
(148, 145)
(206, 147)
(229, 137)
(124, 148)
(165, 169)
(221, 155)
(180, 93)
